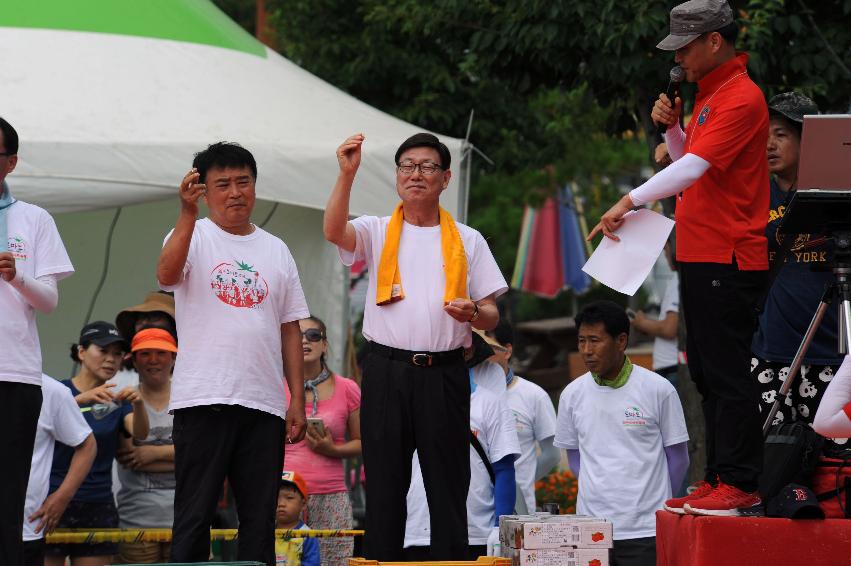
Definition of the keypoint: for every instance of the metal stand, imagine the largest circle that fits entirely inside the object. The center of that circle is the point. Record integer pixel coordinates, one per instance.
(841, 289)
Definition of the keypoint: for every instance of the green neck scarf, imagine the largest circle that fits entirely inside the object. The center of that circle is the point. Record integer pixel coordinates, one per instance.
(620, 380)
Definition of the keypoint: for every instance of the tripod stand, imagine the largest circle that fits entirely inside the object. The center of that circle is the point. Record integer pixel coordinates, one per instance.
(840, 290)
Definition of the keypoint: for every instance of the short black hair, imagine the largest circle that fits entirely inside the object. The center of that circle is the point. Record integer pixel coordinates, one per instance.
(504, 332)
(10, 137)
(730, 33)
(612, 315)
(424, 139)
(223, 154)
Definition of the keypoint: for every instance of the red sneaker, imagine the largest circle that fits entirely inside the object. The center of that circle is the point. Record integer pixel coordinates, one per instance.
(698, 490)
(725, 501)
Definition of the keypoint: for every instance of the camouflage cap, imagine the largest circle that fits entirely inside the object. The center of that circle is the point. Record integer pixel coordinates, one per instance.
(792, 105)
(691, 19)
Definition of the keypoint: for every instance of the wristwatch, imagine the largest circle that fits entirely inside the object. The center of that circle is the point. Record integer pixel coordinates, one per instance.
(475, 312)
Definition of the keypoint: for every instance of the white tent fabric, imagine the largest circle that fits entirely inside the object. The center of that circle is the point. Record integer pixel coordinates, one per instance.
(110, 120)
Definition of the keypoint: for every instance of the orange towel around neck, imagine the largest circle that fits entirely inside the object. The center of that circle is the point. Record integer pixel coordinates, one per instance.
(389, 283)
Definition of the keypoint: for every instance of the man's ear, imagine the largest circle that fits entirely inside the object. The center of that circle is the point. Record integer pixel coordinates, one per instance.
(510, 351)
(622, 340)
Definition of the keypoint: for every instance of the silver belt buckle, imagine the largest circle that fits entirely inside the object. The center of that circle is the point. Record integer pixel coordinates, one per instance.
(421, 360)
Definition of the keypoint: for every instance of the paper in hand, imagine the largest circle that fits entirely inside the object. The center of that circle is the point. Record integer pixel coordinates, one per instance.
(625, 265)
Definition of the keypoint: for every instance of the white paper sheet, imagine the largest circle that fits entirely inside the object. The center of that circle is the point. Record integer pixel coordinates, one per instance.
(625, 265)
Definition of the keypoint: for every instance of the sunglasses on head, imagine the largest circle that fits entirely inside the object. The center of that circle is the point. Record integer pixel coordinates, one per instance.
(313, 335)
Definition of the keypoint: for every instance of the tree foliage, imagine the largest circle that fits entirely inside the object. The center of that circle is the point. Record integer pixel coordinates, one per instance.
(561, 88)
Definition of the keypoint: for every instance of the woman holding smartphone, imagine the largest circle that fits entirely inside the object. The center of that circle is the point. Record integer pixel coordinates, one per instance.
(332, 404)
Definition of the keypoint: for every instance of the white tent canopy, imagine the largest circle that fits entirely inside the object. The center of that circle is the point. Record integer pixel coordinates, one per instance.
(111, 101)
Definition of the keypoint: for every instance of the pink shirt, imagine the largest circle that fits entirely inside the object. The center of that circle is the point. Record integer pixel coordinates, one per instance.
(324, 474)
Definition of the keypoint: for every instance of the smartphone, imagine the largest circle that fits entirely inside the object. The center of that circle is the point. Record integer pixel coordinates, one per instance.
(317, 424)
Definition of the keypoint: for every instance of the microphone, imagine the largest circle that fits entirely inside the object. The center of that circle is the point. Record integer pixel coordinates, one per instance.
(676, 77)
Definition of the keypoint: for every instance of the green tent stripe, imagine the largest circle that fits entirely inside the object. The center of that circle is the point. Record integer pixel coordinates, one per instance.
(193, 21)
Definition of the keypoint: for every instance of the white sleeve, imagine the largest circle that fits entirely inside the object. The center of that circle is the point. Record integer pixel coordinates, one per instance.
(672, 423)
(566, 434)
(483, 273)
(42, 293)
(832, 420)
(675, 178)
(675, 141)
(70, 428)
(294, 305)
(545, 416)
(50, 255)
(364, 226)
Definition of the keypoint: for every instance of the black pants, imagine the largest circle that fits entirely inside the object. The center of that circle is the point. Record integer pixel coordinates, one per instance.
(20, 405)
(403, 408)
(34, 552)
(215, 442)
(719, 309)
(634, 551)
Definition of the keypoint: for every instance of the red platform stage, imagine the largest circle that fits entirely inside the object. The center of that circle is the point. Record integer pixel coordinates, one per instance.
(688, 540)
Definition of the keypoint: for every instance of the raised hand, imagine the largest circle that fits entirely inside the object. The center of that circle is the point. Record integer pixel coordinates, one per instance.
(190, 191)
(664, 113)
(349, 154)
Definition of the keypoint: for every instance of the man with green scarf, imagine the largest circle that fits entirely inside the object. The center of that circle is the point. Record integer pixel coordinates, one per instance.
(625, 425)
(32, 260)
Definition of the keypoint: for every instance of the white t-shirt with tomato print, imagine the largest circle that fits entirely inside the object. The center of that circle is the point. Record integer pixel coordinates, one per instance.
(235, 294)
(34, 242)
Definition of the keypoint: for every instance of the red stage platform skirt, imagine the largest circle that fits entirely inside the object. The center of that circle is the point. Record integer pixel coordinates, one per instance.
(689, 540)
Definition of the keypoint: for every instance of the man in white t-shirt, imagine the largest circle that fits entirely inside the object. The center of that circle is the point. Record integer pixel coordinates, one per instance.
(625, 435)
(492, 426)
(60, 420)
(431, 279)
(32, 261)
(535, 419)
(238, 301)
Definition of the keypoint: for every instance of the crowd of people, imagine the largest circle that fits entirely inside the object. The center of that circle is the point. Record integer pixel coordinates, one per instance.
(162, 412)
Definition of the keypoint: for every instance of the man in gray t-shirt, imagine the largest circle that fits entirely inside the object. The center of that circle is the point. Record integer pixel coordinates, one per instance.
(146, 473)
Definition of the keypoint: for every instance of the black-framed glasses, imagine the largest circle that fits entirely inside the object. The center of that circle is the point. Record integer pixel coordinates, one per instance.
(4, 154)
(313, 335)
(426, 168)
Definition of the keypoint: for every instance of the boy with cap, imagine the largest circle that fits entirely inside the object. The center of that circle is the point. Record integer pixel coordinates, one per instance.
(32, 261)
(796, 291)
(721, 175)
(432, 279)
(292, 501)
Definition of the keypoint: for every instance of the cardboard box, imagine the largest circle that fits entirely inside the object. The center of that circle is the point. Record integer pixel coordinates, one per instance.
(556, 531)
(560, 557)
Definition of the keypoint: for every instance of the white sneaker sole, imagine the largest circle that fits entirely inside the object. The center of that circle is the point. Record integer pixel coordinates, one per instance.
(677, 510)
(712, 512)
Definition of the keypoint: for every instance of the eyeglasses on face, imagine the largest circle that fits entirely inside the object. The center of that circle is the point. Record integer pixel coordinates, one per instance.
(426, 168)
(313, 335)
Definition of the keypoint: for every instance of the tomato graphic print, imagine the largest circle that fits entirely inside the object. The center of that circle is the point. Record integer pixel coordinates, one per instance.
(597, 537)
(238, 284)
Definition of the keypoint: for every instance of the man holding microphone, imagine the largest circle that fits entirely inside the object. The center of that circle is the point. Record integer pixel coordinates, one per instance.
(721, 176)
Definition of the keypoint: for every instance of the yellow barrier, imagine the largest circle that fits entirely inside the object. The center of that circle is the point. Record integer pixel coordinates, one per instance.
(482, 561)
(88, 536)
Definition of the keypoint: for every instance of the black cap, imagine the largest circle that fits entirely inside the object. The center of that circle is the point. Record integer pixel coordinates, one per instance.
(792, 105)
(481, 351)
(101, 333)
(424, 139)
(795, 502)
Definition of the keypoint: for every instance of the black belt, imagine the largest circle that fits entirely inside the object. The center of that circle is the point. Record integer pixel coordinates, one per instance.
(419, 359)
